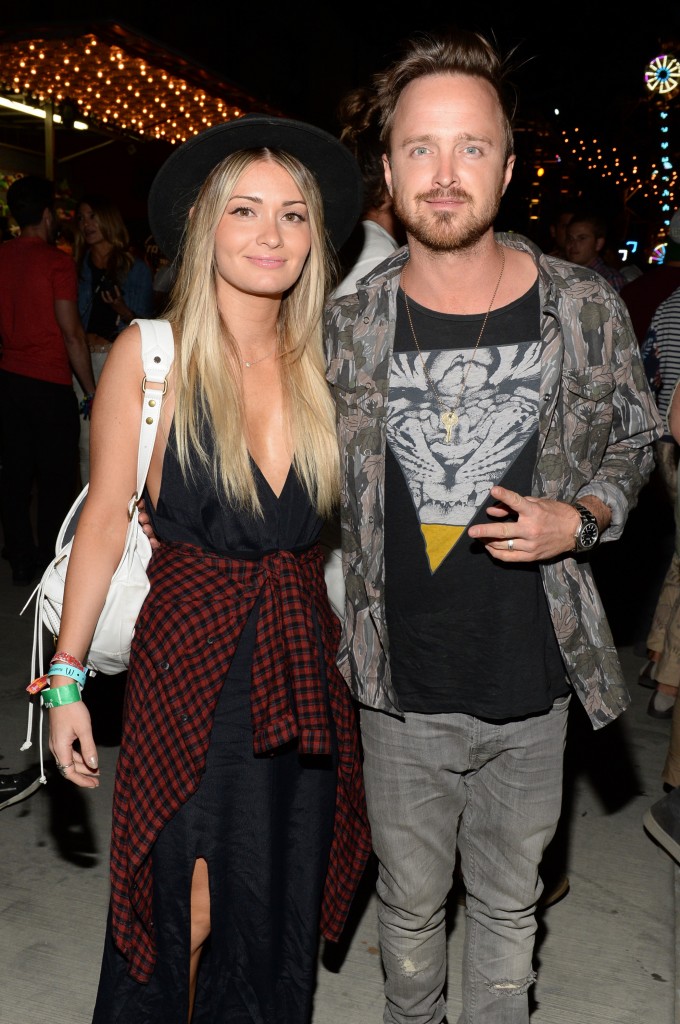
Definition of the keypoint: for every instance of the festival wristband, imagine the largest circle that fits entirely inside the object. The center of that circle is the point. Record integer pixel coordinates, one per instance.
(56, 697)
(61, 668)
(67, 659)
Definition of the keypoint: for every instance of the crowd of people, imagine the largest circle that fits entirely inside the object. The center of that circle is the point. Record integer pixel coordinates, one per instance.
(355, 345)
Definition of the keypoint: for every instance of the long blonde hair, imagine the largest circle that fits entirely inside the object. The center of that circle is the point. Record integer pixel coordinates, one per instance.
(208, 366)
(114, 231)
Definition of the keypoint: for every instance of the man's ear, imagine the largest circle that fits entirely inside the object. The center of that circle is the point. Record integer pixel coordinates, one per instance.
(388, 172)
(599, 244)
(507, 174)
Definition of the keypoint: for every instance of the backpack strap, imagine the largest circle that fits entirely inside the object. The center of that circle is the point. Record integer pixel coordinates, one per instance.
(158, 349)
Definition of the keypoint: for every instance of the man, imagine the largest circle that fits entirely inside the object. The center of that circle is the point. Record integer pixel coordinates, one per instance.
(488, 438)
(586, 239)
(558, 229)
(43, 343)
(661, 671)
(662, 819)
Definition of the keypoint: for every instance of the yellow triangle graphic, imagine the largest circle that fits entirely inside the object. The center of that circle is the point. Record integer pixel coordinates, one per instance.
(438, 541)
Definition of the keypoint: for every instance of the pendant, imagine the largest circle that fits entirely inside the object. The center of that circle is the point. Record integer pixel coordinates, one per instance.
(449, 421)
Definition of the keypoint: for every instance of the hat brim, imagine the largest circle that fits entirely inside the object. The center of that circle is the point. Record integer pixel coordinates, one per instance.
(177, 183)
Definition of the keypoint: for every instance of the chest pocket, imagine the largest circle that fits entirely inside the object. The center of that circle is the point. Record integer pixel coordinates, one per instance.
(588, 413)
(585, 391)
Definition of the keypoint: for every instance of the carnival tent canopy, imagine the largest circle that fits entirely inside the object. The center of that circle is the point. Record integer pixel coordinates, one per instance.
(112, 78)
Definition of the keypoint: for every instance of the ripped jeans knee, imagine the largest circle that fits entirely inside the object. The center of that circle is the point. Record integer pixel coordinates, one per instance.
(510, 987)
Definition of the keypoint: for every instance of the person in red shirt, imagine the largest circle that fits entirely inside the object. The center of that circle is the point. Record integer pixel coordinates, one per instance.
(43, 344)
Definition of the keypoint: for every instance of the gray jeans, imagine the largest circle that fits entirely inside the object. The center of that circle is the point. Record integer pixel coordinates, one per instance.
(434, 782)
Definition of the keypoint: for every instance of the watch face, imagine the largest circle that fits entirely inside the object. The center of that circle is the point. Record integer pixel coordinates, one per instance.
(589, 535)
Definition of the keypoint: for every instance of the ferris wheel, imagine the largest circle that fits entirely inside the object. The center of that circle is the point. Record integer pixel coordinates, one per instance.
(662, 75)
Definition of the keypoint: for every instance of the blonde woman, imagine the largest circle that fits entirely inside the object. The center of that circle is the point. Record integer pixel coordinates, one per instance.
(114, 287)
(239, 825)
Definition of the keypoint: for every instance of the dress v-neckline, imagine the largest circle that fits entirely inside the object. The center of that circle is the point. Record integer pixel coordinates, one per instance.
(285, 482)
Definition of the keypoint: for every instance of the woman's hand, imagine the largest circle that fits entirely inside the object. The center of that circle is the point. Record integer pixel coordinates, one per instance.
(114, 298)
(72, 744)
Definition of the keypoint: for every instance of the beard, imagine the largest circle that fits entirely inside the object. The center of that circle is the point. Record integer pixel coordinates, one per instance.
(443, 231)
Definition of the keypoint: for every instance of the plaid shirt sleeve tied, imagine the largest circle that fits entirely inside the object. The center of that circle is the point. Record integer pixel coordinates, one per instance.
(184, 641)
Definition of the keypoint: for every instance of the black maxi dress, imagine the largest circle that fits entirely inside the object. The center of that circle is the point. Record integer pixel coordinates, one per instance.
(263, 823)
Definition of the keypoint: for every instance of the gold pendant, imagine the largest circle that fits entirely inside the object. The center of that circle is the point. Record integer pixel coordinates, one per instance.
(449, 421)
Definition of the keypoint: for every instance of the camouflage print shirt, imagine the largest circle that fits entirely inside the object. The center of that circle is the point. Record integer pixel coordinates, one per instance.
(597, 424)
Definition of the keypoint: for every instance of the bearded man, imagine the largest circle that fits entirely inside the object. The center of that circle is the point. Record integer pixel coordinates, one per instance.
(495, 425)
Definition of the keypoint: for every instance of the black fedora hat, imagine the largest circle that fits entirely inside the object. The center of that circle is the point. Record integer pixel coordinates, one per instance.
(177, 183)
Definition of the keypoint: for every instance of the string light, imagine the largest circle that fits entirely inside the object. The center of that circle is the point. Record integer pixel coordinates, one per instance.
(116, 86)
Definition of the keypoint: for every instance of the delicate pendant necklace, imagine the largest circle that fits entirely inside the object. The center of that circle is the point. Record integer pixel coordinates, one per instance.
(254, 362)
(449, 416)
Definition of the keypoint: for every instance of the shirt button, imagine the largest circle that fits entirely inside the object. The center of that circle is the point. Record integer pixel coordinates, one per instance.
(210, 640)
(165, 665)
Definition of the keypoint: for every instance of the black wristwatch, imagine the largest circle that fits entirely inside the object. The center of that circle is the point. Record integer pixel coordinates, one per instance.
(588, 532)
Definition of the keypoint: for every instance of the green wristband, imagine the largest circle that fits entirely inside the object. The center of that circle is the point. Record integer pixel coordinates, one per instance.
(57, 696)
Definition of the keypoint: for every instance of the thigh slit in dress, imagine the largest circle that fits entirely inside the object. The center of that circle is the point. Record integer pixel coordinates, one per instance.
(263, 824)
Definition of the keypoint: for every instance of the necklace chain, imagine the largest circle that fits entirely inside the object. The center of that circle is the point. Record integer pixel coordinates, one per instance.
(254, 362)
(449, 416)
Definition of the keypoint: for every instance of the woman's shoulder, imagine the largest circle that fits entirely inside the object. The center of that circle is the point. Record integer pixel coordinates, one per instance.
(127, 352)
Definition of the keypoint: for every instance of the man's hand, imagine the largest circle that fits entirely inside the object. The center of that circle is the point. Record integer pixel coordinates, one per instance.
(145, 524)
(543, 528)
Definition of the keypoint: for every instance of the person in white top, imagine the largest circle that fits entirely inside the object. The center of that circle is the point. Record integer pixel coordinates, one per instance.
(378, 234)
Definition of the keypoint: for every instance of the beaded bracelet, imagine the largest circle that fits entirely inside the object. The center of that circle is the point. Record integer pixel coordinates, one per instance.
(57, 696)
(85, 407)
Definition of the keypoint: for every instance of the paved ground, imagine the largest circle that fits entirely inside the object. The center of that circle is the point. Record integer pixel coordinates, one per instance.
(605, 953)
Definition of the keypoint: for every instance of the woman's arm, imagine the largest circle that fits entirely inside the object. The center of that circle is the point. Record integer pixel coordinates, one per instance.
(99, 540)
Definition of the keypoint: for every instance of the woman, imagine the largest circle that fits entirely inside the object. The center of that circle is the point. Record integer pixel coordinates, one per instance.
(114, 287)
(239, 820)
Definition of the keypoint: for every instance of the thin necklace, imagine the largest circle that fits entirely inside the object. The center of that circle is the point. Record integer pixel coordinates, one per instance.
(449, 416)
(254, 362)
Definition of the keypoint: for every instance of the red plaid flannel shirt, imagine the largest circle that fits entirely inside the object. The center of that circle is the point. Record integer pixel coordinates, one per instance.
(184, 641)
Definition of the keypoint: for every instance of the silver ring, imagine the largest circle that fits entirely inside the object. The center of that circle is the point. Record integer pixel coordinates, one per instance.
(511, 544)
(63, 767)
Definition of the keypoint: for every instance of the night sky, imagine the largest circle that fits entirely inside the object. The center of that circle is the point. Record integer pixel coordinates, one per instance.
(301, 56)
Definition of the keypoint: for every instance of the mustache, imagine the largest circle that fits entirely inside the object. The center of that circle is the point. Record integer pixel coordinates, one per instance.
(444, 193)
